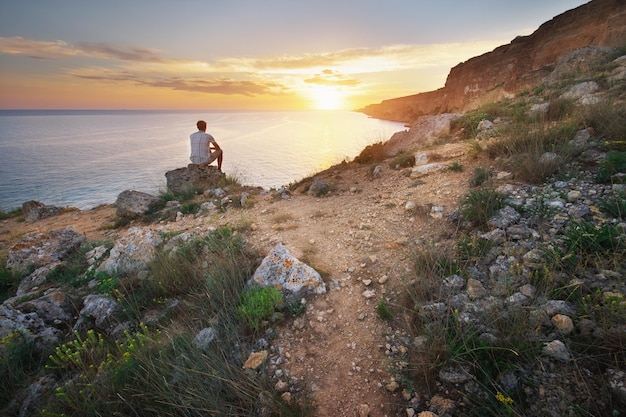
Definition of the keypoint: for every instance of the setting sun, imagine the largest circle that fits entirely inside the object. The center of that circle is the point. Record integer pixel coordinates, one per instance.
(327, 97)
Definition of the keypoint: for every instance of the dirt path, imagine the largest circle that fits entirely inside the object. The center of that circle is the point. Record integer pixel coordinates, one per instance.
(361, 238)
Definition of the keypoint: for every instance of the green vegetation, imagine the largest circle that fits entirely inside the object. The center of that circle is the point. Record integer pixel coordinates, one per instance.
(258, 305)
(481, 175)
(9, 281)
(455, 166)
(501, 341)
(614, 206)
(480, 205)
(402, 160)
(159, 368)
(10, 214)
(383, 311)
(614, 163)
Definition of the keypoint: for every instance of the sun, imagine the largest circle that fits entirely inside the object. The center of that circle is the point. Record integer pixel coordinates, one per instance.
(327, 97)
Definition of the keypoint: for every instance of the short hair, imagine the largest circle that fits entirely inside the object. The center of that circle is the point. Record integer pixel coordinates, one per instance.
(201, 125)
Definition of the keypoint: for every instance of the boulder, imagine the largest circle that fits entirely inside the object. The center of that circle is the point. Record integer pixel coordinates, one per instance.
(55, 309)
(31, 326)
(101, 310)
(132, 203)
(40, 249)
(421, 134)
(280, 268)
(132, 251)
(193, 177)
(37, 278)
(34, 210)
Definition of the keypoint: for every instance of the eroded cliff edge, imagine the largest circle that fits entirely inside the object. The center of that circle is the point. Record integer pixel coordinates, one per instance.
(522, 64)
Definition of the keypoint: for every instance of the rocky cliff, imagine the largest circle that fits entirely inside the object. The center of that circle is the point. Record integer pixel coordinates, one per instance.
(524, 63)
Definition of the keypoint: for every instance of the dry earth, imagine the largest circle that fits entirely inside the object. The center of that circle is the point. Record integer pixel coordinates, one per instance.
(360, 237)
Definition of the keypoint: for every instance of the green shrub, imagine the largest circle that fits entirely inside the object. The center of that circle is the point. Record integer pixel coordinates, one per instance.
(468, 123)
(383, 312)
(480, 205)
(165, 372)
(258, 304)
(403, 160)
(190, 208)
(559, 109)
(472, 248)
(614, 206)
(19, 360)
(615, 162)
(9, 281)
(586, 238)
(481, 175)
(608, 121)
(10, 214)
(455, 166)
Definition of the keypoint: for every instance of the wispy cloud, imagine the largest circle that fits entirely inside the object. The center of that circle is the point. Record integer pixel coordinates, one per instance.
(17, 45)
(217, 85)
(248, 76)
(330, 77)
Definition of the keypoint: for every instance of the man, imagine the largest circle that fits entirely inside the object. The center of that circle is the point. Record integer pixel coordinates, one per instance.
(204, 148)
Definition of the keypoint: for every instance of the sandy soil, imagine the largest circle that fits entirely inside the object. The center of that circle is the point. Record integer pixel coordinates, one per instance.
(360, 237)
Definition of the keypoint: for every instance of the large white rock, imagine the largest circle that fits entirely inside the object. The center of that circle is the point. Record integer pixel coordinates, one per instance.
(132, 252)
(280, 268)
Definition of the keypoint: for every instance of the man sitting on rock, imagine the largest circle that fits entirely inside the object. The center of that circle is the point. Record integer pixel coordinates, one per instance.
(204, 148)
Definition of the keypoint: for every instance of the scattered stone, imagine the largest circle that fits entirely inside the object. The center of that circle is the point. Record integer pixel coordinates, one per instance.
(421, 158)
(281, 386)
(475, 289)
(563, 323)
(132, 203)
(392, 386)
(255, 360)
(485, 125)
(617, 382)
(203, 339)
(100, 310)
(37, 278)
(40, 249)
(319, 188)
(422, 170)
(34, 210)
(369, 294)
(557, 350)
(363, 410)
(454, 375)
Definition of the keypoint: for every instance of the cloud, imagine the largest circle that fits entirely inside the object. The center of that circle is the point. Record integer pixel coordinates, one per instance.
(220, 85)
(362, 60)
(17, 45)
(348, 61)
(248, 76)
(330, 77)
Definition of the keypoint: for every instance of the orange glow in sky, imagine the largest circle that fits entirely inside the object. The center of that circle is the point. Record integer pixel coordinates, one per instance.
(245, 55)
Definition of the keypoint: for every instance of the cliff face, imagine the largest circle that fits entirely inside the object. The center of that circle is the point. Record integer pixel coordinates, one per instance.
(519, 65)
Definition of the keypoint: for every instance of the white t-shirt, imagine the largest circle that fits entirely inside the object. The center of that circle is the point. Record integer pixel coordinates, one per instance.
(200, 147)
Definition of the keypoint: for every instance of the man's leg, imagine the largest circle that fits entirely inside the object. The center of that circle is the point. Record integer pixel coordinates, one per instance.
(219, 155)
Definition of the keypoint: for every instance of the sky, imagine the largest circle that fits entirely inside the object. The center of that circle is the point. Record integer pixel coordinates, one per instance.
(245, 54)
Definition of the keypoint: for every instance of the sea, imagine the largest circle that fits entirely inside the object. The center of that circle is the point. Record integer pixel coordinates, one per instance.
(86, 158)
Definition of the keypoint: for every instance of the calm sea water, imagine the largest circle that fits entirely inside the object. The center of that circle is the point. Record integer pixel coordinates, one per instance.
(86, 158)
